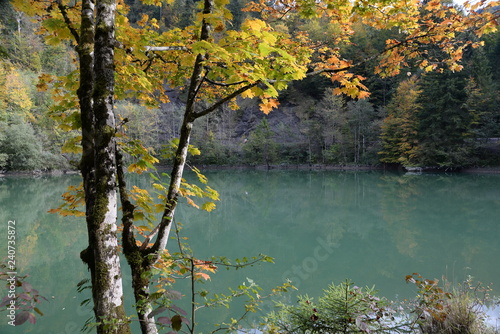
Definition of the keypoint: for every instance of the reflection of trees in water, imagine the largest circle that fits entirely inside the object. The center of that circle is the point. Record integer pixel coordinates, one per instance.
(383, 226)
(27, 200)
(48, 247)
(397, 204)
(339, 203)
(451, 220)
(287, 201)
(388, 224)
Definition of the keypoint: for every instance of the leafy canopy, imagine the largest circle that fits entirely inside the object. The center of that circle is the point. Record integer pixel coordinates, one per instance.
(260, 59)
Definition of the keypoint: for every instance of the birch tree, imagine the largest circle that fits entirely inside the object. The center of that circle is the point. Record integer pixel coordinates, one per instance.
(94, 42)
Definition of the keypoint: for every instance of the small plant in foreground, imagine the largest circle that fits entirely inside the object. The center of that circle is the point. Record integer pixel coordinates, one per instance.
(344, 308)
(22, 300)
(451, 309)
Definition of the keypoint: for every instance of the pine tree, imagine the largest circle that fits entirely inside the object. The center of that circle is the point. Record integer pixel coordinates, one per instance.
(445, 125)
(482, 97)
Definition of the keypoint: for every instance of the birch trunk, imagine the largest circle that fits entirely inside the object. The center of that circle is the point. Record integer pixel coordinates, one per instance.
(187, 125)
(96, 95)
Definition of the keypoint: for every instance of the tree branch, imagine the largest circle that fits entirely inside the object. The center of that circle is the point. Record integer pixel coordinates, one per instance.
(62, 8)
(225, 99)
(222, 84)
(364, 61)
(166, 48)
(182, 149)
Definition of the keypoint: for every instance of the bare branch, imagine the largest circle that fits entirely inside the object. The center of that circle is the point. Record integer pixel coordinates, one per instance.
(166, 48)
(151, 235)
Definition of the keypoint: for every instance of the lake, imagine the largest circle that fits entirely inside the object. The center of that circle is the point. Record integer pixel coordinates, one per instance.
(319, 226)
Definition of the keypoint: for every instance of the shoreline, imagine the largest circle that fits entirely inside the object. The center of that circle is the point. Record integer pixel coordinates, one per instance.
(39, 173)
(301, 167)
(321, 167)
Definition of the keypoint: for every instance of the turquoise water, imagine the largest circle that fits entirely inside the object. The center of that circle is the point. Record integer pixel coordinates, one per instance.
(320, 227)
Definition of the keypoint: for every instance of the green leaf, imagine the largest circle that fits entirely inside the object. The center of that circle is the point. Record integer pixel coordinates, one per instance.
(201, 47)
(73, 145)
(265, 49)
(176, 322)
(159, 187)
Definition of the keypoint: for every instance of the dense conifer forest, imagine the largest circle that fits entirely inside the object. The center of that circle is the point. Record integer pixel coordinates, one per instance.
(417, 118)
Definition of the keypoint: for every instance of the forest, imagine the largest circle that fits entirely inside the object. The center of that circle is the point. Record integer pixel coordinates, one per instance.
(443, 119)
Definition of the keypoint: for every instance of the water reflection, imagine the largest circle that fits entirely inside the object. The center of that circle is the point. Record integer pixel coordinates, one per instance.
(48, 248)
(373, 228)
(320, 227)
(383, 222)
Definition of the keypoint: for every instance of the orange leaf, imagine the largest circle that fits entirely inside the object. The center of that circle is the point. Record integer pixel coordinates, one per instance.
(206, 277)
(192, 203)
(363, 94)
(268, 104)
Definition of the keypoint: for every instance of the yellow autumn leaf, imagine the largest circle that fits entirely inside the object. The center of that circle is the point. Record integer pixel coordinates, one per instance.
(142, 22)
(144, 228)
(18, 91)
(43, 81)
(337, 91)
(254, 24)
(353, 92)
(208, 206)
(248, 94)
(205, 276)
(159, 187)
(73, 145)
(136, 168)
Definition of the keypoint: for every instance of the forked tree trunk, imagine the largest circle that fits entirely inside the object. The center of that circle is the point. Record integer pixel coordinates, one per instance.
(96, 94)
(142, 259)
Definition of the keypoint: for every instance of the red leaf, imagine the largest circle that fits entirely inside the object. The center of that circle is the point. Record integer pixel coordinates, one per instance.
(173, 294)
(21, 318)
(31, 318)
(27, 287)
(164, 320)
(157, 311)
(5, 301)
(178, 309)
